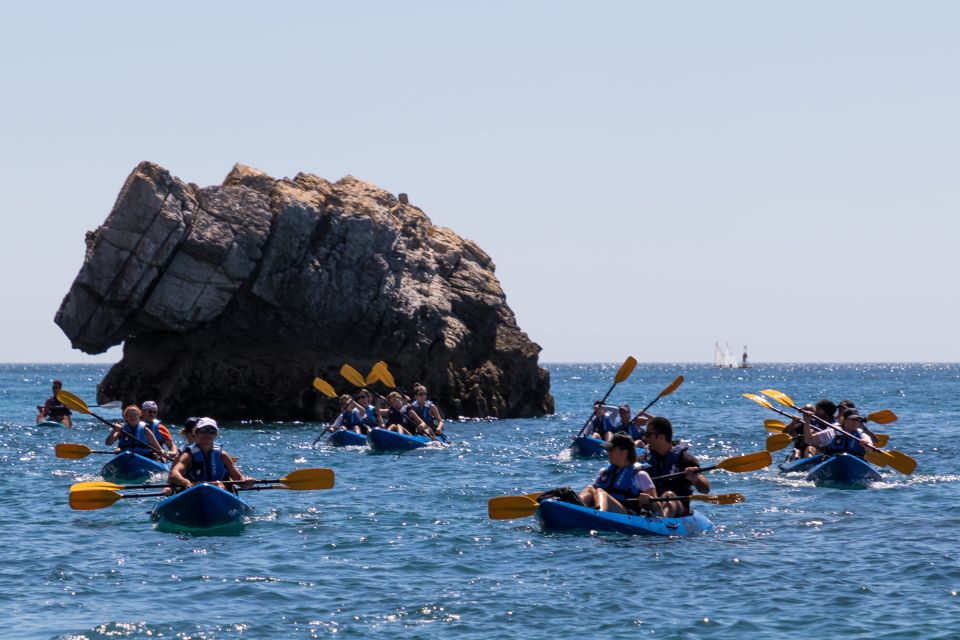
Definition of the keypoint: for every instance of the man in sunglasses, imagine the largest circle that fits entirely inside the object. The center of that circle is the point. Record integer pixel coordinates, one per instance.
(666, 458)
(160, 432)
(203, 461)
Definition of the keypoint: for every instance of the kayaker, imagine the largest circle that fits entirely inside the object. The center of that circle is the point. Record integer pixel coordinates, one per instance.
(187, 431)
(600, 425)
(371, 417)
(619, 485)
(149, 411)
(204, 461)
(426, 410)
(631, 425)
(350, 417)
(666, 458)
(401, 417)
(842, 407)
(825, 410)
(53, 409)
(832, 441)
(134, 427)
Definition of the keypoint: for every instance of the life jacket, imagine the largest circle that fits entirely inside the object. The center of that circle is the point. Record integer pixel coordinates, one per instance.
(619, 483)
(127, 443)
(843, 444)
(666, 465)
(424, 413)
(206, 468)
(370, 419)
(56, 409)
(155, 427)
(398, 416)
(630, 428)
(600, 425)
(351, 418)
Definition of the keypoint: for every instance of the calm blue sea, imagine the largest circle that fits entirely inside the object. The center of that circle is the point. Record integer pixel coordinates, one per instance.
(402, 546)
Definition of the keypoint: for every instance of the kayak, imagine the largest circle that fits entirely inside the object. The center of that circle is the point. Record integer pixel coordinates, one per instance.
(386, 440)
(50, 423)
(202, 506)
(345, 438)
(587, 447)
(801, 465)
(843, 471)
(554, 515)
(129, 467)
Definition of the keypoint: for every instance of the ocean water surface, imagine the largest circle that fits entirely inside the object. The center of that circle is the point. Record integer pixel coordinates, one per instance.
(403, 547)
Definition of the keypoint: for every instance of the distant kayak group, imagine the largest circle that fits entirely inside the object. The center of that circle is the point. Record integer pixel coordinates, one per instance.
(645, 488)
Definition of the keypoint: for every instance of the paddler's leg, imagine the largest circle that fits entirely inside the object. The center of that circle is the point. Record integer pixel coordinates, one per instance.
(672, 508)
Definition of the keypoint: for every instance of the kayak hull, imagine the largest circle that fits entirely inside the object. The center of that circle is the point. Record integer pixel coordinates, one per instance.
(50, 423)
(345, 438)
(554, 515)
(844, 471)
(129, 467)
(801, 465)
(587, 447)
(201, 507)
(386, 440)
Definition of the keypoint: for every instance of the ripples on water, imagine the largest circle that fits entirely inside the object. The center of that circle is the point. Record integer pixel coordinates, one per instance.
(402, 545)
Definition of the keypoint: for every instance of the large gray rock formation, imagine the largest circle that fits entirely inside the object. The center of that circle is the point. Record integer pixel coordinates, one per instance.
(230, 299)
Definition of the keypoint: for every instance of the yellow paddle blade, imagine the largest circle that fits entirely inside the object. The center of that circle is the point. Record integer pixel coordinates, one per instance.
(72, 402)
(626, 369)
(902, 462)
(384, 374)
(881, 440)
(772, 422)
(71, 451)
(779, 441)
(373, 376)
(884, 416)
(877, 457)
(352, 375)
(673, 387)
(309, 479)
(93, 498)
(780, 397)
(723, 498)
(96, 484)
(324, 387)
(511, 507)
(748, 462)
(775, 429)
(761, 401)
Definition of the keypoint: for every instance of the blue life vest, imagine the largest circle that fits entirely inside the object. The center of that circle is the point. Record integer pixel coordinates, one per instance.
(605, 424)
(398, 416)
(619, 483)
(155, 427)
(424, 413)
(630, 428)
(843, 444)
(666, 465)
(127, 443)
(371, 418)
(204, 468)
(351, 418)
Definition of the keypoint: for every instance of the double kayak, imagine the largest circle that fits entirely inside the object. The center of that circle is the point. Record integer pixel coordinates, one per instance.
(386, 440)
(50, 423)
(843, 471)
(128, 467)
(801, 465)
(346, 438)
(587, 447)
(554, 515)
(202, 506)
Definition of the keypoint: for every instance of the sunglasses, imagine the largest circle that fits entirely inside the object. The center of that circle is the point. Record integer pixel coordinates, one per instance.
(205, 430)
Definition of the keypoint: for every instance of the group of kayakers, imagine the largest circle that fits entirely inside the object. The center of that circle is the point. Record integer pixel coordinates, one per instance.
(829, 428)
(645, 465)
(396, 412)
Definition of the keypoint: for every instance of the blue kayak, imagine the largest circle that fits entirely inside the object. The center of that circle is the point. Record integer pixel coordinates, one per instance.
(843, 471)
(345, 438)
(50, 423)
(128, 467)
(554, 515)
(202, 506)
(801, 465)
(587, 447)
(386, 440)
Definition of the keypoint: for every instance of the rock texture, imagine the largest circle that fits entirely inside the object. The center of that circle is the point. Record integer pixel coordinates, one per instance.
(230, 299)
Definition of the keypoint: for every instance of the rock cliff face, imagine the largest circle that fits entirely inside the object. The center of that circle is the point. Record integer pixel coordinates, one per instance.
(230, 299)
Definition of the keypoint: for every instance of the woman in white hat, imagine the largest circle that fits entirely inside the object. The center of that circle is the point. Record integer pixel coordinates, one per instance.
(203, 461)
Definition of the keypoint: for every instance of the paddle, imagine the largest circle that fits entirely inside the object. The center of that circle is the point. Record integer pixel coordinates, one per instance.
(76, 403)
(353, 376)
(622, 374)
(300, 480)
(899, 461)
(76, 451)
(512, 507)
(670, 389)
(383, 375)
(774, 426)
(884, 416)
(375, 376)
(779, 441)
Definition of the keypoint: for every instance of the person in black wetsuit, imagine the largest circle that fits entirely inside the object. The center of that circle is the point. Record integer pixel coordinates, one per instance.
(666, 457)
(53, 409)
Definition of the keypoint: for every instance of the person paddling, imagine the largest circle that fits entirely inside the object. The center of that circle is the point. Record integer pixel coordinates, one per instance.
(401, 417)
(149, 411)
(825, 410)
(133, 433)
(666, 458)
(426, 410)
(842, 408)
(371, 417)
(350, 418)
(600, 426)
(831, 441)
(632, 426)
(204, 461)
(187, 431)
(53, 409)
(619, 485)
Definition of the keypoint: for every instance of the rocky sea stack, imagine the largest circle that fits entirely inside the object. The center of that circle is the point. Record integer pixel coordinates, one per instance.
(230, 300)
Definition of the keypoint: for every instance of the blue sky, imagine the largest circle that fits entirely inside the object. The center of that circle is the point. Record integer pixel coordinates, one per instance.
(648, 177)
